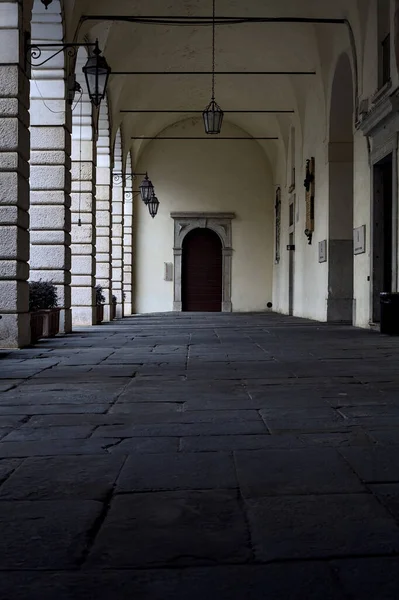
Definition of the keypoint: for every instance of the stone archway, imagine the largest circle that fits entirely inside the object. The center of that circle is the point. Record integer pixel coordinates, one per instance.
(220, 223)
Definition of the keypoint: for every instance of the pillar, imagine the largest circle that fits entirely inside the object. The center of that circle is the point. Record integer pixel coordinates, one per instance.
(128, 241)
(14, 180)
(50, 176)
(83, 215)
(103, 210)
(117, 228)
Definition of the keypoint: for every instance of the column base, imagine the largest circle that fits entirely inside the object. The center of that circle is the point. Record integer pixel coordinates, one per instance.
(15, 331)
(66, 321)
(227, 307)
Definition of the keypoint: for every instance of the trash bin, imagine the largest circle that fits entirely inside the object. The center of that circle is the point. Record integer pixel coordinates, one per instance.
(389, 313)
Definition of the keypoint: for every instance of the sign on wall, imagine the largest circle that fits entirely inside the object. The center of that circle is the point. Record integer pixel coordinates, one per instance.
(168, 272)
(359, 240)
(323, 251)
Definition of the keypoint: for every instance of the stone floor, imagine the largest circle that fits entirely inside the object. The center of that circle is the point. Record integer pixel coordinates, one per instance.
(193, 457)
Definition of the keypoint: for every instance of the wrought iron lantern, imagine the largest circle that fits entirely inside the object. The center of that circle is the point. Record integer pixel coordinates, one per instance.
(146, 190)
(213, 118)
(97, 72)
(153, 205)
(213, 114)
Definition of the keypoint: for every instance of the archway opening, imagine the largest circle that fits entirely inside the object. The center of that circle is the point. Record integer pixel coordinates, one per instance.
(340, 253)
(202, 268)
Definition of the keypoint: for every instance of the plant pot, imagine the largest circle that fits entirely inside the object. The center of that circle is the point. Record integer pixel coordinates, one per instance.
(36, 326)
(51, 322)
(99, 313)
(112, 312)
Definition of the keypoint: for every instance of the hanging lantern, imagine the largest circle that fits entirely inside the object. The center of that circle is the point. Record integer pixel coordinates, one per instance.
(97, 72)
(153, 205)
(213, 118)
(47, 3)
(146, 190)
(213, 114)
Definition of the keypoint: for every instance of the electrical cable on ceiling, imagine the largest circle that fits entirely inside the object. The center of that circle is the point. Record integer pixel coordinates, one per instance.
(55, 112)
(80, 161)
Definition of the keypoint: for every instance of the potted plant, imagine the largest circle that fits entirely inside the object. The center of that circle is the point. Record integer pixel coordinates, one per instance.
(100, 299)
(45, 314)
(113, 307)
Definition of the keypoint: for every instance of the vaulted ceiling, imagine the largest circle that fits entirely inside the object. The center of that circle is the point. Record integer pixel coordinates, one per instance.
(239, 47)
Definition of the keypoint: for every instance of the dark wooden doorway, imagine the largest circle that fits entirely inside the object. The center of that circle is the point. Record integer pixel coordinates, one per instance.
(382, 233)
(202, 266)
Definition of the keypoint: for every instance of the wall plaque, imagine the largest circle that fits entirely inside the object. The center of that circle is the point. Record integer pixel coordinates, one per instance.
(323, 251)
(168, 273)
(359, 240)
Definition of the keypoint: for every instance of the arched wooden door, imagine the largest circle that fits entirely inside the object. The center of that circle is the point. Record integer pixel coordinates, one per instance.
(202, 264)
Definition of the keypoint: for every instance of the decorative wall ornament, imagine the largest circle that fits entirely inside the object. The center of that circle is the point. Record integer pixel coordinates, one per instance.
(277, 207)
(309, 184)
(359, 240)
(323, 251)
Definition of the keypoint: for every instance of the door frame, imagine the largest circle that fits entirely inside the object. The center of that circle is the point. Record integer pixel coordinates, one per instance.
(291, 256)
(381, 151)
(220, 223)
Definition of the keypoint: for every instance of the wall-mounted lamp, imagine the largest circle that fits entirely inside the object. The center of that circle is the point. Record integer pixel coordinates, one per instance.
(96, 69)
(153, 205)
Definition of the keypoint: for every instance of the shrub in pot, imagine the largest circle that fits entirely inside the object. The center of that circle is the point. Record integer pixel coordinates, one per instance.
(45, 314)
(100, 300)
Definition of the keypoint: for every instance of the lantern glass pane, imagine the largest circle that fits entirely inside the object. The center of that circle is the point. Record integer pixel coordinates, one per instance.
(146, 190)
(153, 206)
(213, 118)
(96, 72)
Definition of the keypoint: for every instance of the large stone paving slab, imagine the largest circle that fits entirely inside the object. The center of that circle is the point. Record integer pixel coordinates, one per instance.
(297, 471)
(323, 526)
(310, 581)
(174, 529)
(45, 535)
(211, 470)
(90, 477)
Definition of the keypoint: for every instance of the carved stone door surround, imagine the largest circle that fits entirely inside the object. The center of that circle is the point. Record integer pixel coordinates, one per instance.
(220, 223)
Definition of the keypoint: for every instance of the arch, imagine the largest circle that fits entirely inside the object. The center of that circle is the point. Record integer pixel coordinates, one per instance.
(341, 183)
(219, 223)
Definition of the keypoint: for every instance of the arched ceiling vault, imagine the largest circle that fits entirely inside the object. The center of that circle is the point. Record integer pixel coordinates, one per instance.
(239, 47)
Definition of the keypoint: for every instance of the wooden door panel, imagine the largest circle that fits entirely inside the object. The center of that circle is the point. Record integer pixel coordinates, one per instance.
(202, 271)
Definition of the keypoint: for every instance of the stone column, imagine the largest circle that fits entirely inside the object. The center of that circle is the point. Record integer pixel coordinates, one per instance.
(117, 227)
(14, 180)
(128, 241)
(103, 210)
(83, 215)
(50, 176)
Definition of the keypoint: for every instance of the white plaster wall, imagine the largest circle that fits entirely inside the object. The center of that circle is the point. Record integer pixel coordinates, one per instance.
(208, 176)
